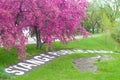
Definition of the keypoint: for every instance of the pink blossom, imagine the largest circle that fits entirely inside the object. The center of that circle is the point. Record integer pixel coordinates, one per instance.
(55, 19)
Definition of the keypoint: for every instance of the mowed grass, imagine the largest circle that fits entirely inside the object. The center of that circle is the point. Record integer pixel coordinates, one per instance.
(62, 68)
(94, 43)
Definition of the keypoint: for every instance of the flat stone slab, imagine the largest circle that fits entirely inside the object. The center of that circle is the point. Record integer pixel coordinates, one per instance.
(88, 64)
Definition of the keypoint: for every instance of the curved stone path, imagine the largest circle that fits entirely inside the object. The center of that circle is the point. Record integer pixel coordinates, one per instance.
(23, 68)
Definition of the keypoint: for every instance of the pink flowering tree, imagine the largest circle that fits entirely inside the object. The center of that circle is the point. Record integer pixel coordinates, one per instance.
(48, 20)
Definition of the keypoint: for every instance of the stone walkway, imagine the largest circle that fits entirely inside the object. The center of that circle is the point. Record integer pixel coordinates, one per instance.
(33, 40)
(23, 68)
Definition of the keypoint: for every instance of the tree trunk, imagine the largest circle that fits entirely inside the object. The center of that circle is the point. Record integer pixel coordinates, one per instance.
(38, 38)
(93, 31)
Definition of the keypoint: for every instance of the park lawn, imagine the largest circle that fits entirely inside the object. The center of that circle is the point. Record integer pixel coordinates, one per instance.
(94, 43)
(64, 65)
(63, 69)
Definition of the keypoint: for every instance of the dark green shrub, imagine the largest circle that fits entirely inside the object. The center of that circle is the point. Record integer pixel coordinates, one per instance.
(3, 74)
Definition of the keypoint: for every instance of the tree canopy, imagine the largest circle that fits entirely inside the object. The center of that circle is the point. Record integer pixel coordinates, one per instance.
(51, 19)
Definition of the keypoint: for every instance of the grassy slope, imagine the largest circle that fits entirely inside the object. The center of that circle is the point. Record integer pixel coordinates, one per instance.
(98, 43)
(62, 68)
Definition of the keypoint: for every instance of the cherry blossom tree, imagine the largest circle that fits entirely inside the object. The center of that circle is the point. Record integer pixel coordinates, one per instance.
(48, 20)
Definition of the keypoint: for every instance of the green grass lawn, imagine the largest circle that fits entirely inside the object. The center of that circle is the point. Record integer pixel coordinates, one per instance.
(62, 68)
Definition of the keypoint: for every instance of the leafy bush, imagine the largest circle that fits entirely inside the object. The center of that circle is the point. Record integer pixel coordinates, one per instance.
(116, 34)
